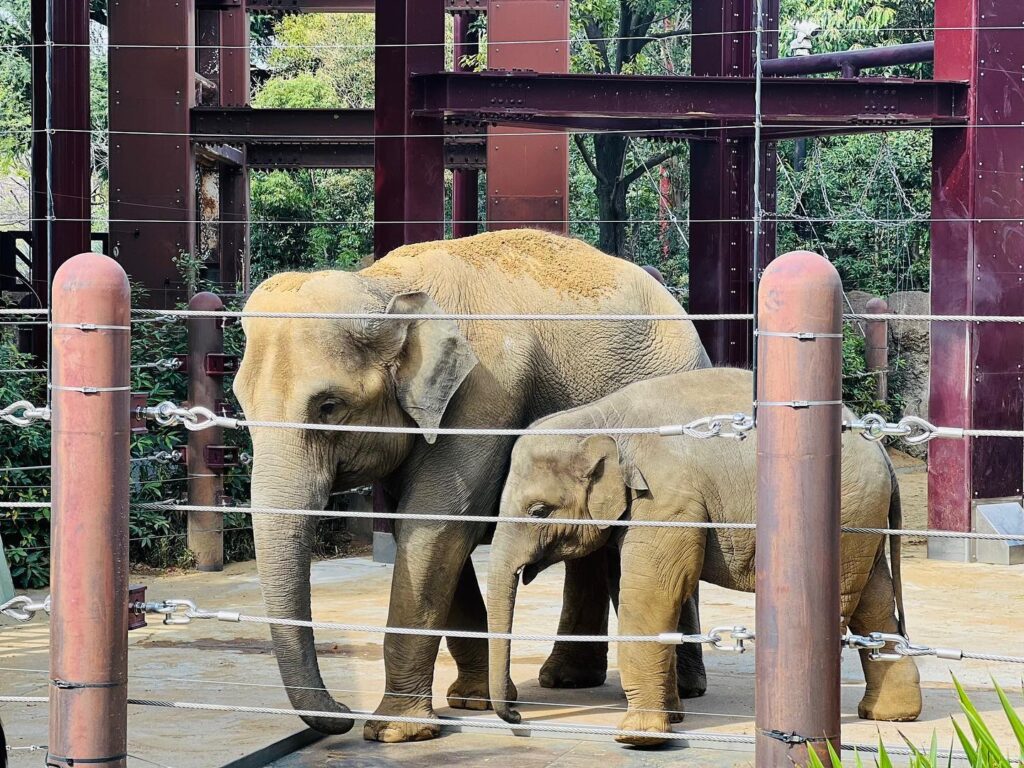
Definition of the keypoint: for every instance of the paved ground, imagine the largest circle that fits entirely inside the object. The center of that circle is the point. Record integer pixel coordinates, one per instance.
(977, 607)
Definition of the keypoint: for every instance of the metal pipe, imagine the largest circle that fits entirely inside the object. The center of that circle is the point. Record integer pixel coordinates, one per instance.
(205, 486)
(850, 62)
(465, 183)
(876, 347)
(797, 558)
(89, 569)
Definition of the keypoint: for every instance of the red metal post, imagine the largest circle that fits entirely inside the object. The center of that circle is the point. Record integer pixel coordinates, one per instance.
(798, 480)
(977, 246)
(876, 347)
(540, 197)
(722, 261)
(205, 486)
(408, 150)
(465, 183)
(152, 170)
(89, 570)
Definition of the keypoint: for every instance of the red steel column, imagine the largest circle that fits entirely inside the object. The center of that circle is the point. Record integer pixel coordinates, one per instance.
(89, 570)
(798, 481)
(539, 197)
(876, 347)
(408, 150)
(722, 261)
(977, 265)
(465, 183)
(205, 487)
(152, 171)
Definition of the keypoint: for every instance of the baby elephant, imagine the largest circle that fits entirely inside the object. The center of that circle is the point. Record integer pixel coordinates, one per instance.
(648, 477)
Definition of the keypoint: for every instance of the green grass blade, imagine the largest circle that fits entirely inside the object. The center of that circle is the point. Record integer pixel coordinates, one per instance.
(813, 759)
(883, 756)
(965, 743)
(834, 756)
(933, 753)
(1012, 716)
(983, 736)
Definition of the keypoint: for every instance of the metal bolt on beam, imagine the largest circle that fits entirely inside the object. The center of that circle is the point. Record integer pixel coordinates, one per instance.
(90, 458)
(797, 561)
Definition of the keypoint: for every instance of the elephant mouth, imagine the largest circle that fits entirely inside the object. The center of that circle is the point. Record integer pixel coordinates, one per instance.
(530, 571)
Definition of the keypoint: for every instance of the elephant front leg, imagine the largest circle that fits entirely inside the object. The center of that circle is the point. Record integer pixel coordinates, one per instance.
(428, 562)
(585, 599)
(692, 679)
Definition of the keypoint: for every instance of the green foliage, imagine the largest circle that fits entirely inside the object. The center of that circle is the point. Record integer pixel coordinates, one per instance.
(980, 746)
(864, 202)
(860, 386)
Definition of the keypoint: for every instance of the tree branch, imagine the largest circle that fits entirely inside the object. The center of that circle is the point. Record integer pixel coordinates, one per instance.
(651, 163)
(587, 158)
(595, 34)
(681, 32)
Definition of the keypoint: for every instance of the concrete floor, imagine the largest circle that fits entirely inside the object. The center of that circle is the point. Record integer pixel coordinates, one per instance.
(975, 607)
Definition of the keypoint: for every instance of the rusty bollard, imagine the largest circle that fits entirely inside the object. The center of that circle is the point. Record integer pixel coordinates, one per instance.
(799, 417)
(89, 567)
(876, 347)
(205, 485)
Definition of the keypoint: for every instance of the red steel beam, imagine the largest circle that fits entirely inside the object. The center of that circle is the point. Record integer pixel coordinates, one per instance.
(221, 124)
(289, 6)
(465, 182)
(522, 97)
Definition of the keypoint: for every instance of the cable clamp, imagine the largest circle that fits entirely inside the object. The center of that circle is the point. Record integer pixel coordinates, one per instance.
(91, 327)
(88, 390)
(24, 414)
(792, 737)
(795, 404)
(800, 335)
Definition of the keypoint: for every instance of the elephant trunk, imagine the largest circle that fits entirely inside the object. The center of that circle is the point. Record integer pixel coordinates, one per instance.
(283, 554)
(502, 585)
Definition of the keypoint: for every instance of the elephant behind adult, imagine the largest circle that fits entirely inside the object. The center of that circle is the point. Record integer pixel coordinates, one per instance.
(430, 372)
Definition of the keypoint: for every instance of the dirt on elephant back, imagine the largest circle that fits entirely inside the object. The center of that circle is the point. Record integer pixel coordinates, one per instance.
(912, 474)
(569, 266)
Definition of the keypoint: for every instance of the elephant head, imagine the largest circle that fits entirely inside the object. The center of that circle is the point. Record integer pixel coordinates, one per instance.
(557, 478)
(376, 372)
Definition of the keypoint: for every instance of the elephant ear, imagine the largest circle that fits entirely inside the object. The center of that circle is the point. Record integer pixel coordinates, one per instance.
(608, 477)
(432, 358)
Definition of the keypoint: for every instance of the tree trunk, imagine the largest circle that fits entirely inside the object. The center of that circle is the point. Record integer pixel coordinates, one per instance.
(609, 157)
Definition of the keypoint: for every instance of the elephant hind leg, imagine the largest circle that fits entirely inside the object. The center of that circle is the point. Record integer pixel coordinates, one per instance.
(893, 687)
(691, 676)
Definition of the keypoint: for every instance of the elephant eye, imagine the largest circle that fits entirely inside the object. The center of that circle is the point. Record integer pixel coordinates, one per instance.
(330, 407)
(539, 509)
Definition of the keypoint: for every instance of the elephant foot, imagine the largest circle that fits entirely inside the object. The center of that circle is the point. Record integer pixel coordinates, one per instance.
(893, 693)
(394, 732)
(583, 669)
(692, 691)
(903, 708)
(652, 722)
(472, 693)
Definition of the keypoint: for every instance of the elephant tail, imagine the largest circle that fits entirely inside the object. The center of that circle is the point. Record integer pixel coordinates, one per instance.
(895, 556)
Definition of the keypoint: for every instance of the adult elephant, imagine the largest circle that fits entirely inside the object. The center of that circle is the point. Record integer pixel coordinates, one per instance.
(428, 373)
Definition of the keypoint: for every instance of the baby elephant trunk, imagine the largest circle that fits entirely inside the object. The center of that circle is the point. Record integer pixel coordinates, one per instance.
(502, 584)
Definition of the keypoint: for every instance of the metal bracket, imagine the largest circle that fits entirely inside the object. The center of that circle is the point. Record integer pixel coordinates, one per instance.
(225, 408)
(137, 421)
(219, 364)
(219, 457)
(182, 363)
(136, 596)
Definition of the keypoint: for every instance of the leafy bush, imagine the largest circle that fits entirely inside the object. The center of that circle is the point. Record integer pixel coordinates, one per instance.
(980, 746)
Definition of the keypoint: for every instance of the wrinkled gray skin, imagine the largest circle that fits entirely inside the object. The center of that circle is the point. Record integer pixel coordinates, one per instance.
(426, 373)
(681, 479)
